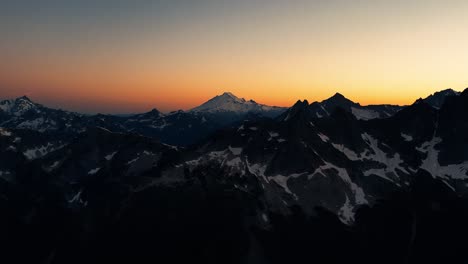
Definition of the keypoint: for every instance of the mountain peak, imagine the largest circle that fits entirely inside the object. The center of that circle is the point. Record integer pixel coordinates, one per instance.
(18, 106)
(338, 95)
(437, 99)
(448, 91)
(228, 102)
(465, 92)
(229, 94)
(230, 97)
(419, 101)
(300, 103)
(338, 98)
(154, 112)
(24, 98)
(298, 109)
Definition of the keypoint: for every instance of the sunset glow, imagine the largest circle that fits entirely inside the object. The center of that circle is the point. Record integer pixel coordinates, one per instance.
(170, 55)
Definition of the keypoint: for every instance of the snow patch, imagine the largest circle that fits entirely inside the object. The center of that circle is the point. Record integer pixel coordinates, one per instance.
(351, 155)
(346, 213)
(382, 173)
(359, 195)
(236, 162)
(364, 114)
(133, 160)
(161, 126)
(110, 156)
(41, 151)
(272, 135)
(4, 133)
(265, 217)
(217, 154)
(323, 137)
(325, 110)
(54, 165)
(32, 124)
(432, 165)
(94, 171)
(235, 151)
(406, 137)
(6, 105)
(77, 199)
(392, 163)
(12, 148)
(282, 181)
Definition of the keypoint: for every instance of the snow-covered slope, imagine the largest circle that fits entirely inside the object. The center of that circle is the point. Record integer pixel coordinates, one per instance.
(19, 106)
(228, 102)
(175, 128)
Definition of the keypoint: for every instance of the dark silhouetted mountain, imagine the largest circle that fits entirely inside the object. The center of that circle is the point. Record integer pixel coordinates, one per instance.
(326, 107)
(291, 189)
(437, 99)
(299, 111)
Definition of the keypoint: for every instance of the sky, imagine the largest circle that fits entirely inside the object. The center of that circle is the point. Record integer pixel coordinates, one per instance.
(131, 56)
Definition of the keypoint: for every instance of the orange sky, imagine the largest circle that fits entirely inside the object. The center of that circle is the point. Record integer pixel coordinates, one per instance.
(270, 51)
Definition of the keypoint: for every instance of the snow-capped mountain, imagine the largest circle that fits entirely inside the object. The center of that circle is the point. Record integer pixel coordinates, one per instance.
(261, 190)
(18, 106)
(182, 127)
(228, 102)
(340, 162)
(175, 128)
(23, 113)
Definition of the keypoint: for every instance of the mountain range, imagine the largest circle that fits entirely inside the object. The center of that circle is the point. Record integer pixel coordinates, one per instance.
(234, 181)
(181, 128)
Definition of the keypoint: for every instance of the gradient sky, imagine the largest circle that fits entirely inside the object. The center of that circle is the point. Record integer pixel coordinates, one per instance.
(131, 56)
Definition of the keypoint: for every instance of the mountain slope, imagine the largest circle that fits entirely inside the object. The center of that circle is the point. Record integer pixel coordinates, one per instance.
(261, 190)
(437, 99)
(341, 163)
(228, 102)
(176, 128)
(326, 107)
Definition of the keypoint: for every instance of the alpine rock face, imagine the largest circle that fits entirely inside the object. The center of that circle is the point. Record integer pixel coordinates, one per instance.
(176, 128)
(341, 162)
(315, 182)
(326, 107)
(437, 99)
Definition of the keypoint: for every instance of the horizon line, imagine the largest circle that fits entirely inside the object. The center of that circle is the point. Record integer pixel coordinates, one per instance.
(226, 92)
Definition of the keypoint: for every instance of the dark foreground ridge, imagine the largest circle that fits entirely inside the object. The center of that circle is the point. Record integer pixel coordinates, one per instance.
(299, 186)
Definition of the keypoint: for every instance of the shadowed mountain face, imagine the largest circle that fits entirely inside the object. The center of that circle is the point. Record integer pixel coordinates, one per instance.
(182, 128)
(176, 128)
(290, 189)
(436, 100)
(325, 108)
